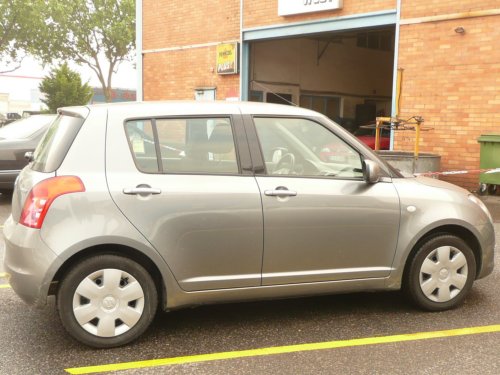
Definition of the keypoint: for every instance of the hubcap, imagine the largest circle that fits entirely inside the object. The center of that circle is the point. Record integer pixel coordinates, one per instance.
(108, 302)
(443, 274)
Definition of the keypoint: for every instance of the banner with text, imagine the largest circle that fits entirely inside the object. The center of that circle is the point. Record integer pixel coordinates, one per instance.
(290, 7)
(227, 58)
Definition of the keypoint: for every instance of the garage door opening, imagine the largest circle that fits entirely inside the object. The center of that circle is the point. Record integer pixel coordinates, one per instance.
(345, 75)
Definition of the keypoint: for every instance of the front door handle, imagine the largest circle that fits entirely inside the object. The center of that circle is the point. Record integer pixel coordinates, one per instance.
(141, 190)
(280, 193)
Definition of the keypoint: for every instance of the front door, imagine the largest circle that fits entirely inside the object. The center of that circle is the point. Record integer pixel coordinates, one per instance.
(322, 221)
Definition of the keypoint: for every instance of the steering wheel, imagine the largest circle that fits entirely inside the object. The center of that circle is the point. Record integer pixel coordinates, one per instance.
(287, 163)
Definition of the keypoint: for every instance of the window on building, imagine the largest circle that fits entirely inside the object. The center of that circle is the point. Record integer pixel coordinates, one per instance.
(379, 40)
(327, 105)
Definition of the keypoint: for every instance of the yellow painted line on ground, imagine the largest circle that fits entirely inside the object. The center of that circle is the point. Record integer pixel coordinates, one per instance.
(4, 275)
(283, 350)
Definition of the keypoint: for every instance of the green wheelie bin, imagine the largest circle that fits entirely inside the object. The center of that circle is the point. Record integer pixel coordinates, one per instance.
(489, 159)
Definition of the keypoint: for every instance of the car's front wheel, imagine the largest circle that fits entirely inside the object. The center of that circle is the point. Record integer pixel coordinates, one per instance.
(107, 301)
(441, 273)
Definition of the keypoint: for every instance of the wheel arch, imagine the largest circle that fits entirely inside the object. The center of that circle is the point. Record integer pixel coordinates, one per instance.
(112, 249)
(456, 230)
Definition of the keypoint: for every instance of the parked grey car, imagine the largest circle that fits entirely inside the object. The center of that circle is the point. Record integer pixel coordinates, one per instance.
(16, 139)
(129, 206)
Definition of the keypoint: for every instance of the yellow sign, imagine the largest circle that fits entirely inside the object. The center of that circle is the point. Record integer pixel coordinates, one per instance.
(227, 58)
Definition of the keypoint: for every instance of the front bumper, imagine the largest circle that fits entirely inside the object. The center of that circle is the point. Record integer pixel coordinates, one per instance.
(488, 247)
(29, 263)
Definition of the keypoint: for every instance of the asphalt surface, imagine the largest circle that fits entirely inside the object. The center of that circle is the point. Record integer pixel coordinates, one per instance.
(33, 341)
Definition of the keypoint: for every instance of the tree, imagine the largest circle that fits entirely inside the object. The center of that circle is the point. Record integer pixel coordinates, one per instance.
(96, 33)
(63, 87)
(20, 23)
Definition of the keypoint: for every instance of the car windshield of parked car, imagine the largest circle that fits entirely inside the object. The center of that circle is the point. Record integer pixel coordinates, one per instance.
(25, 128)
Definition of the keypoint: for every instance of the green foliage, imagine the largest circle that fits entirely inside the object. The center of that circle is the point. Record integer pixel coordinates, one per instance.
(63, 87)
(86, 32)
(20, 21)
(96, 33)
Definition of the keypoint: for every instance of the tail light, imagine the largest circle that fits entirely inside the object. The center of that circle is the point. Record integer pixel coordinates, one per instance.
(43, 194)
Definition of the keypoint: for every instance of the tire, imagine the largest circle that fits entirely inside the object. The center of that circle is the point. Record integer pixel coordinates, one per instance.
(107, 301)
(483, 188)
(492, 189)
(441, 273)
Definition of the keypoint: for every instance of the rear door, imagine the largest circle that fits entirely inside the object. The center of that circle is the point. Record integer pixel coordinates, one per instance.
(322, 221)
(185, 183)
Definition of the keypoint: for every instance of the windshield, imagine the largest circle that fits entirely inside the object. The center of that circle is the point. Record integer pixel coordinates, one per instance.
(25, 128)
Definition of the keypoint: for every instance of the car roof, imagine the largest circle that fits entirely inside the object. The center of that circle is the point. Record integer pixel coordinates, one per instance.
(192, 107)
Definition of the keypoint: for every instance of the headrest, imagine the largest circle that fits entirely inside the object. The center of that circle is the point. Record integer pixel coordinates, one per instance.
(221, 140)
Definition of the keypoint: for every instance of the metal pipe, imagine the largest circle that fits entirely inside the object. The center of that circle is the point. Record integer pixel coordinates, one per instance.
(453, 16)
(394, 111)
(241, 49)
(138, 47)
(377, 134)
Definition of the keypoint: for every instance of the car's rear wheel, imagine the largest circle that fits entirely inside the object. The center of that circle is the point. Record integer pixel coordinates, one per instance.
(107, 301)
(441, 273)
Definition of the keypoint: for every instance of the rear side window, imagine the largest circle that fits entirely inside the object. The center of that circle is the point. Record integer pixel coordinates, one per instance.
(56, 142)
(183, 145)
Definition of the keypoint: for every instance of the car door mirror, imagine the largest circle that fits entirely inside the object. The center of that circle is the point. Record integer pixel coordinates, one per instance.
(371, 172)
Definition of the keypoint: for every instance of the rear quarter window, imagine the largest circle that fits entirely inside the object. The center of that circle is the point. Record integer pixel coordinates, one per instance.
(56, 142)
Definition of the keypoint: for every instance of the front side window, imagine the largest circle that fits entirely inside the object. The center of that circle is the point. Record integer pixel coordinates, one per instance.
(301, 147)
(183, 145)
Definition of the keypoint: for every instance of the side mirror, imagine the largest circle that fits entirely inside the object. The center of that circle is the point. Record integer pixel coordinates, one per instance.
(371, 172)
(29, 156)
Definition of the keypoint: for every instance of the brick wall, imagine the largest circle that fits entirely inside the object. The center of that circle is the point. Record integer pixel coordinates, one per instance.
(175, 74)
(425, 8)
(453, 81)
(183, 23)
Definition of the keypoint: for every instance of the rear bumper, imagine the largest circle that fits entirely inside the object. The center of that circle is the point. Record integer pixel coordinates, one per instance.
(29, 263)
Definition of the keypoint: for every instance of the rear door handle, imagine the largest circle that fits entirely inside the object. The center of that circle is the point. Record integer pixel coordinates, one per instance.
(141, 190)
(280, 193)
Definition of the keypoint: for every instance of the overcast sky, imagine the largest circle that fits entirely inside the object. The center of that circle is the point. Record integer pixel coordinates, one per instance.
(20, 83)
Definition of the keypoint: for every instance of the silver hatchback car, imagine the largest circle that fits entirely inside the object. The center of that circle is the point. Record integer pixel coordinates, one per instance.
(127, 207)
